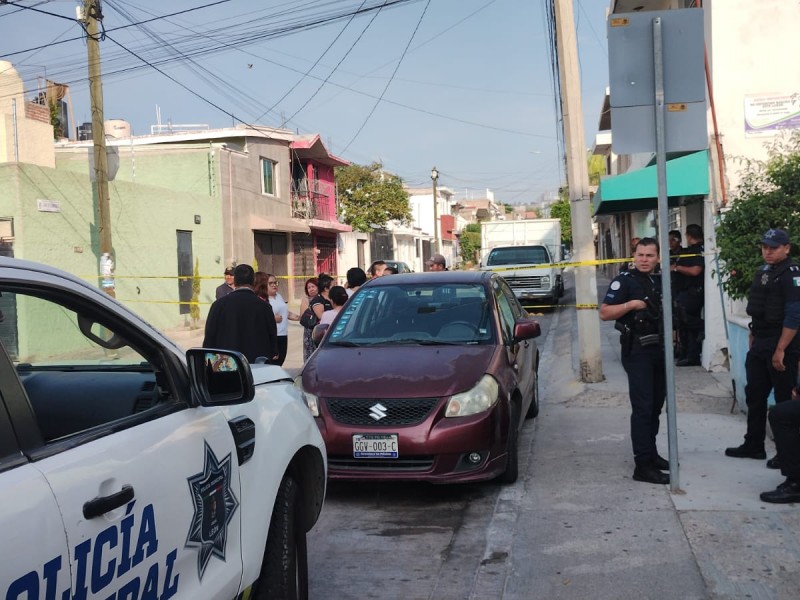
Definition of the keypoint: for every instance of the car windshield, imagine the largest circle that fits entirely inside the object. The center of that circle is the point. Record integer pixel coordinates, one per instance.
(518, 255)
(415, 314)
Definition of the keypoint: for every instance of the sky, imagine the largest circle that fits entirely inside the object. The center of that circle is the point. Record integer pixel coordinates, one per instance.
(462, 85)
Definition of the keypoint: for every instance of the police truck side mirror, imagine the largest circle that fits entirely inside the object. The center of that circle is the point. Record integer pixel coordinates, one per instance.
(219, 377)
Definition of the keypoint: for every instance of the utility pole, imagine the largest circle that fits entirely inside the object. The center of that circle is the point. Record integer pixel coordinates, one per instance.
(436, 246)
(578, 182)
(92, 14)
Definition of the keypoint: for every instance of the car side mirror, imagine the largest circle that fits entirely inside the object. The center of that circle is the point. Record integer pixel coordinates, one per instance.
(526, 329)
(219, 377)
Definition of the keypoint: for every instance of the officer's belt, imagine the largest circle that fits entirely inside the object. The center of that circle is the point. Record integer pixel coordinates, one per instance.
(766, 332)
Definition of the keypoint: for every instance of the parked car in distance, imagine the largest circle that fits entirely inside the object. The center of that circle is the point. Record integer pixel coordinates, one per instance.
(399, 265)
(138, 469)
(425, 376)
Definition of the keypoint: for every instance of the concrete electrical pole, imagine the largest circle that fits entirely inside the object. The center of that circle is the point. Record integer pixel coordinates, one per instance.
(92, 14)
(436, 228)
(578, 182)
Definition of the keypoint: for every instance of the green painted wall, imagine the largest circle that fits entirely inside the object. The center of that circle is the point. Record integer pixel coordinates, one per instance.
(144, 221)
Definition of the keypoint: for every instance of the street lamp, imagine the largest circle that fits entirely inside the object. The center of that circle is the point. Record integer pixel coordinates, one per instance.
(435, 178)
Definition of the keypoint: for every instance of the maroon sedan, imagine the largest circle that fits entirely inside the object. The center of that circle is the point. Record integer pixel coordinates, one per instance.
(425, 376)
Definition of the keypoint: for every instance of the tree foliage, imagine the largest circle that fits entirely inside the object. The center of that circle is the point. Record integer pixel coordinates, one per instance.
(470, 242)
(561, 210)
(369, 197)
(768, 196)
(597, 168)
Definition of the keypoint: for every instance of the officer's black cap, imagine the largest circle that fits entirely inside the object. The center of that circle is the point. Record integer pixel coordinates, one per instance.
(775, 237)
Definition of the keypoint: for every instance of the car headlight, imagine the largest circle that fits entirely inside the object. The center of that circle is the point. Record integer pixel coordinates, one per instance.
(546, 281)
(311, 400)
(480, 398)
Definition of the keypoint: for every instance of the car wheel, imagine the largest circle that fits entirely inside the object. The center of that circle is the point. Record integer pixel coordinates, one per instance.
(284, 572)
(511, 473)
(533, 409)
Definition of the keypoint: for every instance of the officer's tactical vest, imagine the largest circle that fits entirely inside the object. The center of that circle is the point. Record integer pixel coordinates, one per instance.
(765, 300)
(650, 289)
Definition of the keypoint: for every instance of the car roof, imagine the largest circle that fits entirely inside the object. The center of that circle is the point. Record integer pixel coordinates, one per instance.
(429, 277)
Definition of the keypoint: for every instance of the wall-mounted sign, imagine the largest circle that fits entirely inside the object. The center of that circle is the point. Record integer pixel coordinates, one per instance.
(48, 205)
(765, 114)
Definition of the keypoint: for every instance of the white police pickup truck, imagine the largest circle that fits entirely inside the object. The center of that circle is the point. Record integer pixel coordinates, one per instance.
(130, 470)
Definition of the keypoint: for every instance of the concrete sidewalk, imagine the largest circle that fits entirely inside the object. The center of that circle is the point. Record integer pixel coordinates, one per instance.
(584, 529)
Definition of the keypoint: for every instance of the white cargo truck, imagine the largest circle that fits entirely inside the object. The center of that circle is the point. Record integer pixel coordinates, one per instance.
(526, 253)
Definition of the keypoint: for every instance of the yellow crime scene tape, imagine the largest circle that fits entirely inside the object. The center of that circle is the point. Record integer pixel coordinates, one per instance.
(584, 263)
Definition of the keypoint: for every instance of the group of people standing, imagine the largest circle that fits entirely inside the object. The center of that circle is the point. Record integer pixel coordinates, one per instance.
(236, 322)
(634, 301)
(249, 316)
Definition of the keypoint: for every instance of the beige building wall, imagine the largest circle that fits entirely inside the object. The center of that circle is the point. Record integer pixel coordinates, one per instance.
(22, 138)
(752, 50)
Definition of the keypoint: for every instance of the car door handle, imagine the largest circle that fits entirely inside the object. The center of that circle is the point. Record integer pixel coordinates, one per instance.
(103, 504)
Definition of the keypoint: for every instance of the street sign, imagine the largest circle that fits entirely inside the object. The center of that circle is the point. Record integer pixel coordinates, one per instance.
(632, 81)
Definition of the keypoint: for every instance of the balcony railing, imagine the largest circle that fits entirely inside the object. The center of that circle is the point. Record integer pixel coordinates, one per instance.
(313, 200)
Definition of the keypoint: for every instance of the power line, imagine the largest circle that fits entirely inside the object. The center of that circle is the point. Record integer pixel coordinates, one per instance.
(312, 67)
(55, 43)
(37, 10)
(388, 83)
(341, 60)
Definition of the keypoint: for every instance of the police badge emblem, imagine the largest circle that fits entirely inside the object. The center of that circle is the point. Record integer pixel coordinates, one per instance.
(214, 506)
(764, 279)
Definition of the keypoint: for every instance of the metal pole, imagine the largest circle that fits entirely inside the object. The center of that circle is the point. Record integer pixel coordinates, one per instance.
(663, 242)
(92, 15)
(436, 247)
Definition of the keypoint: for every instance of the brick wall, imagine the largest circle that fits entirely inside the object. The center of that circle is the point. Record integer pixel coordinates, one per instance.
(37, 112)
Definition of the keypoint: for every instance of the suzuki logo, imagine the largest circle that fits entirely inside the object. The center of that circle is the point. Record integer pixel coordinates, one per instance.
(377, 411)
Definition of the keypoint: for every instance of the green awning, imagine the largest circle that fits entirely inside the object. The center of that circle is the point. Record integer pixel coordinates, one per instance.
(687, 179)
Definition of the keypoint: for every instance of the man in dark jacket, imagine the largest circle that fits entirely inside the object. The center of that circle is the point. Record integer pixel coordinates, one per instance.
(241, 321)
(689, 298)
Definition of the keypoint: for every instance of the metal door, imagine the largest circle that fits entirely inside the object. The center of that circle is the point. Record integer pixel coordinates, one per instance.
(185, 271)
(271, 251)
(326, 255)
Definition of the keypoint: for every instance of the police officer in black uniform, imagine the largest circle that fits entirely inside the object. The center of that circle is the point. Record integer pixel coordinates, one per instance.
(689, 301)
(633, 300)
(771, 364)
(784, 418)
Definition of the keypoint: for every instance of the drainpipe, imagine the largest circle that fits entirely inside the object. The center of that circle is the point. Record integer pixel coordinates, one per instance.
(717, 142)
(14, 128)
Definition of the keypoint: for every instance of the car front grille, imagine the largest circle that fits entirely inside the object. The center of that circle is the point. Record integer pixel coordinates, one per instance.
(534, 282)
(398, 411)
(348, 463)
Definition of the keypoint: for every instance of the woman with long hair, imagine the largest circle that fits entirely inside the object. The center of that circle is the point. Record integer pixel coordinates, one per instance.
(311, 290)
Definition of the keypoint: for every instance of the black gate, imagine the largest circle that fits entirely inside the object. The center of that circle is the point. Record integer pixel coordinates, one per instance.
(185, 271)
(380, 245)
(304, 264)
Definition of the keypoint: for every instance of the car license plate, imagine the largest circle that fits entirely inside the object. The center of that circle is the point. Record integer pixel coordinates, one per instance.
(368, 445)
